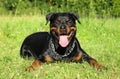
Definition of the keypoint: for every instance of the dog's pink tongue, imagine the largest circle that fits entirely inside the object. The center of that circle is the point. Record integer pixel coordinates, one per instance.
(63, 40)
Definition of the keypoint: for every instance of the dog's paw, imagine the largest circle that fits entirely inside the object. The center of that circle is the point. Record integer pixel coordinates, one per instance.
(101, 67)
(30, 68)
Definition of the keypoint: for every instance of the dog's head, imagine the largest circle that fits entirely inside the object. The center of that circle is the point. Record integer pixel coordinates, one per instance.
(62, 27)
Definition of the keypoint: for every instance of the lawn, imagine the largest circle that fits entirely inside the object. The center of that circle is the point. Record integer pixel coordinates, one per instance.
(100, 38)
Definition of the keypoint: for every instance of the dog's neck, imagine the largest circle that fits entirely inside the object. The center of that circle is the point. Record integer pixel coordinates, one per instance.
(64, 51)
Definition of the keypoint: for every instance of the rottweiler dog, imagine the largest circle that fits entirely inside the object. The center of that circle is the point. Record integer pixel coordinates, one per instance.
(58, 44)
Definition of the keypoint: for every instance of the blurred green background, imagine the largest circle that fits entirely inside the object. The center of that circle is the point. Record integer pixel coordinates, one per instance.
(93, 8)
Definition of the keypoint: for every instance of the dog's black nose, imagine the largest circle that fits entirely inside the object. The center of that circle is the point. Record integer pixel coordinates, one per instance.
(63, 27)
(63, 31)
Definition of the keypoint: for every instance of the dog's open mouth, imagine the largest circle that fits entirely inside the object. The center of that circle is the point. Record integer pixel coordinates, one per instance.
(64, 39)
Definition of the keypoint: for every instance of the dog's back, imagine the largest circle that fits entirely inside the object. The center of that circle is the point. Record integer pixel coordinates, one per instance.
(32, 43)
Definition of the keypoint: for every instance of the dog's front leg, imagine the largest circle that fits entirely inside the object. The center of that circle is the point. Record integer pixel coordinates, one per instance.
(92, 62)
(36, 63)
(84, 56)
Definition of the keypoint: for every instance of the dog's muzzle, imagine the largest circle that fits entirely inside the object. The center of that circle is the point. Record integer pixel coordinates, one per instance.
(63, 35)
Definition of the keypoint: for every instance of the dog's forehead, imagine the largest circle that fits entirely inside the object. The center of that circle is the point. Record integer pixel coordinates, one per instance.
(62, 16)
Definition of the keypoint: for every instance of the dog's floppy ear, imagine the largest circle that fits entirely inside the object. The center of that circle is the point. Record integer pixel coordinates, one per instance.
(76, 17)
(48, 17)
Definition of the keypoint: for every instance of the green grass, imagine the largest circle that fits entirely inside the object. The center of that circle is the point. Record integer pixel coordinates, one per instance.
(100, 38)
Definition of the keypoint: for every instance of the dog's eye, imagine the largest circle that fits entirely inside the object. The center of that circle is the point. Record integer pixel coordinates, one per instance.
(58, 21)
(68, 21)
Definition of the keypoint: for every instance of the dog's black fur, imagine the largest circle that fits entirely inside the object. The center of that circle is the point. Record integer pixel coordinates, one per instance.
(47, 47)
